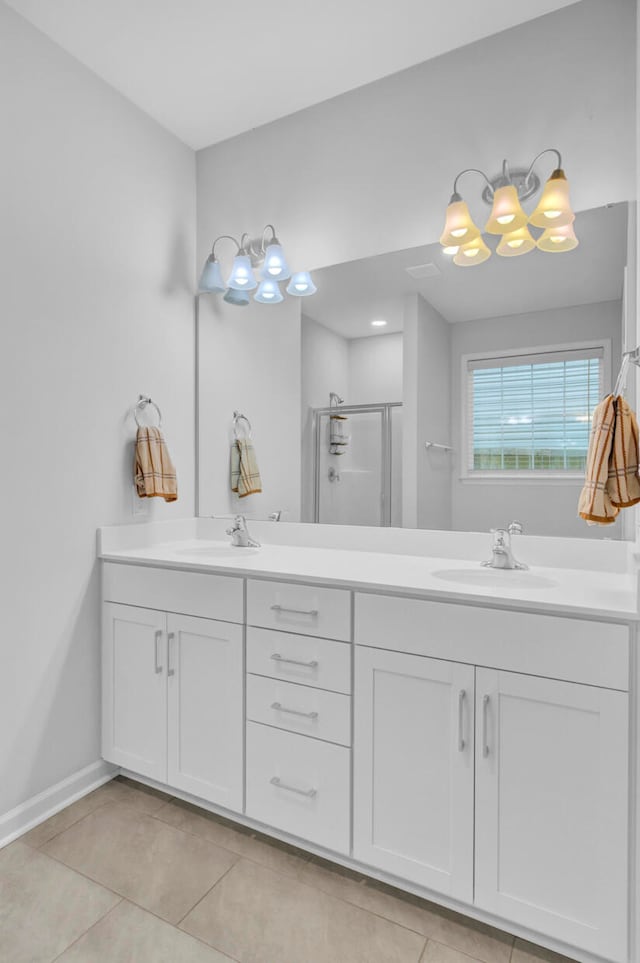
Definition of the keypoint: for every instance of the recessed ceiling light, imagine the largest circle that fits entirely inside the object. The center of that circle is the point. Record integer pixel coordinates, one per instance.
(378, 324)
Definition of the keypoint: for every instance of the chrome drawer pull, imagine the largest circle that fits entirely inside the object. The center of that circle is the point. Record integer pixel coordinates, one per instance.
(158, 636)
(485, 708)
(281, 608)
(308, 665)
(294, 712)
(275, 781)
(170, 638)
(461, 697)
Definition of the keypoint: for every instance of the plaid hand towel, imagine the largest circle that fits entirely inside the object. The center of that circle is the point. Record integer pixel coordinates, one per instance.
(153, 470)
(611, 481)
(245, 476)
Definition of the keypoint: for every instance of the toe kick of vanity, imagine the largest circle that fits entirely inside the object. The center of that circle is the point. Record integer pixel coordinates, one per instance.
(474, 755)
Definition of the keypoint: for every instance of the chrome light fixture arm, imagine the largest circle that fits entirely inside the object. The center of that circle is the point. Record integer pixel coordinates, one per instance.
(469, 170)
(547, 150)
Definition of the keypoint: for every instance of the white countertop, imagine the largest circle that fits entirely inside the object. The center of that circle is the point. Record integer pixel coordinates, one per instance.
(607, 595)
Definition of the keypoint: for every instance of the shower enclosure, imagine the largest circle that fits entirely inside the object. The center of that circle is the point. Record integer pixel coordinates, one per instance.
(358, 465)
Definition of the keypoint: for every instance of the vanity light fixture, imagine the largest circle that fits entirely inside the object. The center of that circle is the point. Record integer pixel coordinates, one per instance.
(462, 238)
(265, 255)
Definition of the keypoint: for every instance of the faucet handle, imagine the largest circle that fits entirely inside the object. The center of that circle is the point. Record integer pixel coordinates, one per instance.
(515, 528)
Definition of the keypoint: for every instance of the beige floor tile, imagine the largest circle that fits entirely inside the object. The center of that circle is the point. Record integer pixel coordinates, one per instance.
(439, 953)
(467, 936)
(278, 856)
(259, 916)
(131, 935)
(114, 791)
(524, 952)
(44, 906)
(151, 863)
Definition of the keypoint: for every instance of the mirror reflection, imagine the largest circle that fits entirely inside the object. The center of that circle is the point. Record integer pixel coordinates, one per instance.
(441, 398)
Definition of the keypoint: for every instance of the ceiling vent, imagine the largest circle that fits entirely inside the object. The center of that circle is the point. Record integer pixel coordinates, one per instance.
(420, 271)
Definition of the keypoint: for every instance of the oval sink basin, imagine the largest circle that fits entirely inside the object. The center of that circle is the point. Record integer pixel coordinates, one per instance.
(216, 551)
(495, 578)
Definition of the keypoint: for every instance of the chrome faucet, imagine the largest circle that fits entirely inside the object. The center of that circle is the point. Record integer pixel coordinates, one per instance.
(502, 555)
(240, 534)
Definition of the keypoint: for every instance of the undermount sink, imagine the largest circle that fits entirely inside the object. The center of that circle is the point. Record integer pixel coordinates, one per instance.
(495, 577)
(217, 551)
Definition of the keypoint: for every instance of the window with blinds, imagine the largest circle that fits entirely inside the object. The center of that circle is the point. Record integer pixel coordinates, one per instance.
(532, 413)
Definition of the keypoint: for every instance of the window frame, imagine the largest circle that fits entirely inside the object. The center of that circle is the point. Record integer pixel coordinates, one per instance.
(498, 476)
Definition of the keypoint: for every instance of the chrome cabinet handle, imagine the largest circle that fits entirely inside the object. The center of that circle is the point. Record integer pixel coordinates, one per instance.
(158, 636)
(485, 707)
(461, 697)
(281, 608)
(275, 781)
(294, 712)
(276, 657)
(170, 639)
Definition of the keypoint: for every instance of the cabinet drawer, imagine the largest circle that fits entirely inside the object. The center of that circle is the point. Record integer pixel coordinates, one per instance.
(299, 708)
(297, 658)
(306, 609)
(299, 785)
(576, 650)
(189, 593)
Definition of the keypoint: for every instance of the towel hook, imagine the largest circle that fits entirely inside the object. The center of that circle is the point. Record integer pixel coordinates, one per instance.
(238, 417)
(140, 405)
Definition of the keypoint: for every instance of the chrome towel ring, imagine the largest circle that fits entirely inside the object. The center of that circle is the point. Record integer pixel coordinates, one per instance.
(140, 405)
(237, 418)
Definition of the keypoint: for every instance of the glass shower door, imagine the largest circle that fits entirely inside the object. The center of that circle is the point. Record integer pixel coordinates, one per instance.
(351, 466)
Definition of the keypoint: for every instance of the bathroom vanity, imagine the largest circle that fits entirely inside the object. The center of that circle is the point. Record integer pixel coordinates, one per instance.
(465, 737)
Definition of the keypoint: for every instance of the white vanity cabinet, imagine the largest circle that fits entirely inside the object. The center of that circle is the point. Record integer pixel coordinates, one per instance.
(550, 780)
(552, 808)
(413, 769)
(172, 685)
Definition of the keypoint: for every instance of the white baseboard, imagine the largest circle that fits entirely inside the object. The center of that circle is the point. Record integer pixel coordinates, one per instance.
(35, 810)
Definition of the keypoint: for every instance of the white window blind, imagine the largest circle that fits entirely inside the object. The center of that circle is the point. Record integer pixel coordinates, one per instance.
(532, 413)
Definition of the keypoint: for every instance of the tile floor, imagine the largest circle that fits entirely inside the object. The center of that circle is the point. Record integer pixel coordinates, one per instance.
(128, 875)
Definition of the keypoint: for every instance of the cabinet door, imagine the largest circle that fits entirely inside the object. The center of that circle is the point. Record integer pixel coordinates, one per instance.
(206, 712)
(552, 808)
(134, 689)
(413, 768)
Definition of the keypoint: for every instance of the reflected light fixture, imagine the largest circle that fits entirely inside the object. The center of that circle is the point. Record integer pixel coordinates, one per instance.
(516, 243)
(462, 238)
(263, 254)
(269, 292)
(556, 240)
(378, 324)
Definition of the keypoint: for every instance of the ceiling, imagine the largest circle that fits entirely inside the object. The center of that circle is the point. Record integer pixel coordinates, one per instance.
(350, 296)
(209, 70)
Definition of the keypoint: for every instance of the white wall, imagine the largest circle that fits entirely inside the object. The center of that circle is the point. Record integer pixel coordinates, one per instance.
(375, 369)
(544, 509)
(250, 361)
(96, 246)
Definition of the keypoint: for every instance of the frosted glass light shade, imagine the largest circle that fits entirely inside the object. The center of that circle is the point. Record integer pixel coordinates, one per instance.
(459, 227)
(516, 243)
(506, 214)
(301, 285)
(475, 252)
(239, 298)
(275, 264)
(268, 292)
(242, 277)
(211, 277)
(556, 240)
(554, 207)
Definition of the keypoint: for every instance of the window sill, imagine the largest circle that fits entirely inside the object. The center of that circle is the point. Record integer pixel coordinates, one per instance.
(522, 478)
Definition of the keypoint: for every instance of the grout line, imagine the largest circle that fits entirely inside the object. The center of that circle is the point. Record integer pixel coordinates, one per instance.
(88, 930)
(204, 895)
